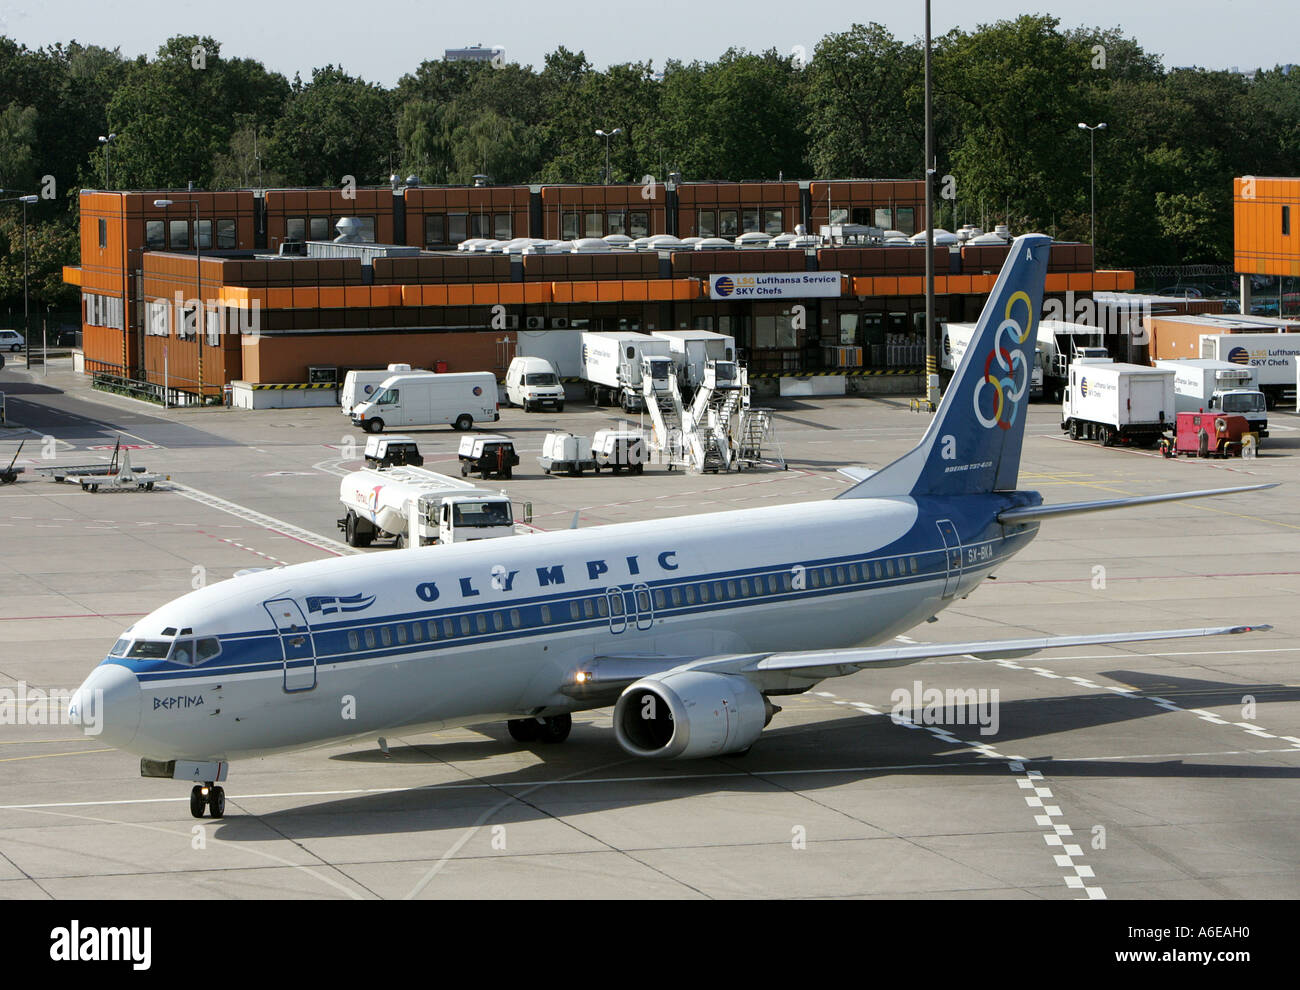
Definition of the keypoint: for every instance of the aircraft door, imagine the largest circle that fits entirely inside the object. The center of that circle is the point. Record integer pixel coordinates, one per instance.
(617, 610)
(296, 644)
(952, 544)
(645, 610)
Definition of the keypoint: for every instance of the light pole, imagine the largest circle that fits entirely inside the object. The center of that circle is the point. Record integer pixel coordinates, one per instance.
(1092, 181)
(106, 141)
(199, 329)
(26, 200)
(607, 136)
(931, 342)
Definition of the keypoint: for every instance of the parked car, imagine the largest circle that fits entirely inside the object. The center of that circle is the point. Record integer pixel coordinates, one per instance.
(11, 340)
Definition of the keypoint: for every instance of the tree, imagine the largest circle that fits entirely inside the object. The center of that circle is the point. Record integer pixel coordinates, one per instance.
(864, 107)
(335, 126)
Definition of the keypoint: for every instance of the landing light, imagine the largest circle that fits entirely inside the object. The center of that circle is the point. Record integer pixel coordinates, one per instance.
(581, 677)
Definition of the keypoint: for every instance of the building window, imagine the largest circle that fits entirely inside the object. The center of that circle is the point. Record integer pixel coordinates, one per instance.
(435, 229)
(295, 229)
(367, 229)
(226, 235)
(456, 223)
(501, 225)
(708, 224)
(616, 222)
(103, 233)
(1286, 222)
(569, 227)
(179, 233)
(155, 237)
(728, 223)
(638, 224)
(884, 217)
(907, 220)
(320, 229)
(203, 234)
(772, 220)
(751, 221)
(594, 225)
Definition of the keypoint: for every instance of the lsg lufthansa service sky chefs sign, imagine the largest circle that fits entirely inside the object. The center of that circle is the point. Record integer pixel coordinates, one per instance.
(783, 285)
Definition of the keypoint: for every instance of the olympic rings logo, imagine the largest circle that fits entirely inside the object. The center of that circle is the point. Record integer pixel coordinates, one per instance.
(1007, 368)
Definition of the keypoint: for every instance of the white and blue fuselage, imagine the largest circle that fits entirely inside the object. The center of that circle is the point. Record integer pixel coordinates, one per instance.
(476, 632)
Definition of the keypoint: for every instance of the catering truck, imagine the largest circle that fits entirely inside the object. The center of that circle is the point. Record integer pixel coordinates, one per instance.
(414, 507)
(1117, 403)
(611, 365)
(1272, 355)
(1206, 385)
(692, 350)
(412, 399)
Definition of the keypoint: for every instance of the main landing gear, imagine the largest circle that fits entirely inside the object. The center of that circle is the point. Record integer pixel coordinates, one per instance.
(206, 797)
(555, 729)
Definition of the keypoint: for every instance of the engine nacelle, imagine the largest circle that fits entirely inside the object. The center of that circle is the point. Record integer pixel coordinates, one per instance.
(690, 714)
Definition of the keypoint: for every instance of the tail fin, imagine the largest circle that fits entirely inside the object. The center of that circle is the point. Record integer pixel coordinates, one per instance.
(973, 443)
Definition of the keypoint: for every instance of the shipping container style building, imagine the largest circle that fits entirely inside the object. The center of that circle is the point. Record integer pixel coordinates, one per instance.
(265, 285)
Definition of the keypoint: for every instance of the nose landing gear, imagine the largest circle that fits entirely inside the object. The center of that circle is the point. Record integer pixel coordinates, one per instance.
(206, 797)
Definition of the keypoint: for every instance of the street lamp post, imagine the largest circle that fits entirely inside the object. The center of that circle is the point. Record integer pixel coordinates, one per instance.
(607, 135)
(26, 200)
(1092, 181)
(199, 329)
(106, 141)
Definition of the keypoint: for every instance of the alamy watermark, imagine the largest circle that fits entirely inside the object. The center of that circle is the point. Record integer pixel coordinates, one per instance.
(23, 705)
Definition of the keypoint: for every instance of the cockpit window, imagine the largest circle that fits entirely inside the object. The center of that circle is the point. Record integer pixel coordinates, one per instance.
(119, 648)
(149, 649)
(191, 652)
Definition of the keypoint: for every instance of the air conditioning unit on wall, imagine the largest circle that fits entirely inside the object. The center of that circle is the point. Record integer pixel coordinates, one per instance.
(534, 323)
(560, 322)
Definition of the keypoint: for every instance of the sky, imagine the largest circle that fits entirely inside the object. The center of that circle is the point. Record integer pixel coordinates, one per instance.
(380, 42)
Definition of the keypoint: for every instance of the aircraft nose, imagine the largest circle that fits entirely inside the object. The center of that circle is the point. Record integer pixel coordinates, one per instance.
(107, 705)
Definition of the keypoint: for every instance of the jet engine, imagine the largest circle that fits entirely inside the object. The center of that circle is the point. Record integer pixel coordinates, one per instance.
(690, 714)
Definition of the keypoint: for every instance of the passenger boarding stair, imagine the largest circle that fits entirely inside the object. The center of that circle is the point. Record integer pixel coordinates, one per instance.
(663, 401)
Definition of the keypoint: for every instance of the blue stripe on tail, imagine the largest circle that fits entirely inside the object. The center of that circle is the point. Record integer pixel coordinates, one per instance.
(974, 441)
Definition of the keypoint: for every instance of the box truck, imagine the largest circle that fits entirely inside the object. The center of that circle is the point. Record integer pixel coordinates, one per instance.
(413, 399)
(1204, 385)
(1114, 403)
(359, 386)
(1272, 355)
(611, 365)
(692, 350)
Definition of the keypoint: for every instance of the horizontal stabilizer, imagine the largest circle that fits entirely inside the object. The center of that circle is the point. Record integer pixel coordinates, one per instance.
(1031, 513)
(856, 474)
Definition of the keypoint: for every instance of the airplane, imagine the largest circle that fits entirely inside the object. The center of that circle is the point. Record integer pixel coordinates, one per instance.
(688, 626)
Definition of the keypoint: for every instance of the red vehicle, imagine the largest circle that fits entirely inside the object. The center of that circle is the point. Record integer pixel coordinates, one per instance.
(1201, 434)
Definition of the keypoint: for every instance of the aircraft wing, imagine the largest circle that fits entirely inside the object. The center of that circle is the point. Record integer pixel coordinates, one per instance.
(609, 675)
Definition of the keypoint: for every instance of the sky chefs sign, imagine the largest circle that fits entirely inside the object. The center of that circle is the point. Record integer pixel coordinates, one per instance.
(785, 285)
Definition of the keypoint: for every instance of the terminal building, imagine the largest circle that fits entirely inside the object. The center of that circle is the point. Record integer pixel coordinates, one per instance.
(282, 298)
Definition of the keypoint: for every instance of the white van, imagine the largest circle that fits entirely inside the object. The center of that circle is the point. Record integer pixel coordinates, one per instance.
(360, 386)
(415, 399)
(531, 382)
